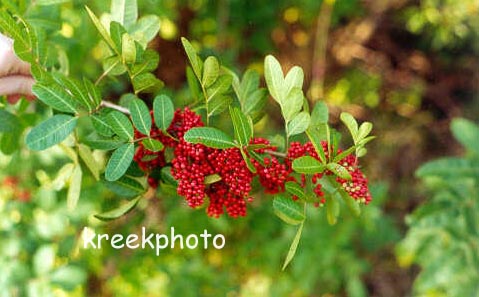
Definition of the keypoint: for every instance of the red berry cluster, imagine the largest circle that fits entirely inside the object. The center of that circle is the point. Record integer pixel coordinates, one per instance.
(223, 177)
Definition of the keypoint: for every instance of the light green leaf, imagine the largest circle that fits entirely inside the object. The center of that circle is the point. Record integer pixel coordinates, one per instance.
(74, 190)
(9, 25)
(449, 167)
(113, 66)
(247, 160)
(148, 63)
(118, 212)
(211, 71)
(50, 2)
(249, 84)
(146, 29)
(351, 124)
(99, 26)
(120, 124)
(44, 259)
(124, 12)
(140, 115)
(320, 114)
(299, 124)
(68, 277)
(125, 187)
(293, 247)
(364, 130)
(56, 97)
(90, 162)
(119, 162)
(332, 210)
(295, 189)
(219, 87)
(146, 83)
(294, 79)
(9, 123)
(352, 204)
(195, 61)
(288, 210)
(274, 78)
(116, 33)
(212, 178)
(210, 137)
(255, 103)
(128, 49)
(76, 90)
(103, 144)
(51, 132)
(100, 123)
(163, 111)
(292, 104)
(218, 104)
(467, 133)
(315, 138)
(307, 165)
(153, 145)
(242, 126)
(339, 170)
(93, 92)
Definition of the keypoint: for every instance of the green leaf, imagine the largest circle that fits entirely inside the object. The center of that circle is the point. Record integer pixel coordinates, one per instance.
(351, 124)
(50, 132)
(119, 162)
(68, 277)
(153, 145)
(352, 204)
(92, 92)
(125, 187)
(211, 71)
(320, 114)
(299, 124)
(74, 189)
(274, 78)
(294, 79)
(243, 126)
(218, 104)
(50, 2)
(124, 12)
(315, 138)
(195, 61)
(140, 115)
(339, 170)
(164, 111)
(332, 210)
(116, 33)
(295, 189)
(104, 34)
(90, 162)
(255, 103)
(76, 90)
(9, 25)
(249, 84)
(219, 87)
(193, 84)
(118, 212)
(149, 62)
(44, 259)
(247, 160)
(292, 104)
(128, 49)
(467, 133)
(100, 123)
(364, 130)
(293, 247)
(307, 165)
(103, 144)
(145, 29)
(146, 83)
(56, 97)
(120, 124)
(288, 210)
(9, 123)
(210, 137)
(450, 167)
(212, 178)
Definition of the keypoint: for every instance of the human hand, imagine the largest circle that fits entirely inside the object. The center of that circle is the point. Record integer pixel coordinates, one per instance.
(15, 77)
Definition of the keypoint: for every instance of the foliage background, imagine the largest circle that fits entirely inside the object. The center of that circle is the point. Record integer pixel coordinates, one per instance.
(407, 66)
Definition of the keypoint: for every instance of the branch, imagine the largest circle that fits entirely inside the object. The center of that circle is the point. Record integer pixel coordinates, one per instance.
(277, 154)
(115, 106)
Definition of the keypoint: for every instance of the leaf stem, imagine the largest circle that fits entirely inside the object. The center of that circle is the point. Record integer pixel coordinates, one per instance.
(277, 154)
(115, 106)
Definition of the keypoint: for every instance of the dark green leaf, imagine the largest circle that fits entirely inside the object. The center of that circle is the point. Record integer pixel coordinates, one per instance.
(9, 123)
(219, 87)
(146, 83)
(119, 162)
(125, 187)
(295, 189)
(332, 210)
(307, 165)
(293, 247)
(140, 115)
(104, 34)
(243, 126)
(339, 171)
(195, 61)
(56, 97)
(51, 132)
(218, 104)
(153, 145)
(448, 168)
(163, 111)
(120, 124)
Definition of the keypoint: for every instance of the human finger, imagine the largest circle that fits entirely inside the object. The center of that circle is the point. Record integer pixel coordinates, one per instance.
(9, 62)
(16, 84)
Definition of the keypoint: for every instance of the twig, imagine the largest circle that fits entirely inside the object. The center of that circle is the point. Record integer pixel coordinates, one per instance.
(115, 106)
(277, 154)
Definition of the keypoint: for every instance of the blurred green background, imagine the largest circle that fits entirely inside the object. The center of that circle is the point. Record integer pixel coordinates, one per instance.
(409, 67)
